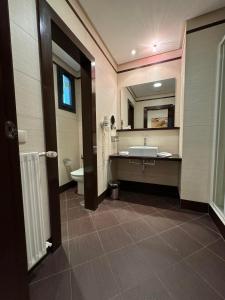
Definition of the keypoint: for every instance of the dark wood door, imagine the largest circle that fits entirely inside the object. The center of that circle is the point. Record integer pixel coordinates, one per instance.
(13, 262)
(130, 114)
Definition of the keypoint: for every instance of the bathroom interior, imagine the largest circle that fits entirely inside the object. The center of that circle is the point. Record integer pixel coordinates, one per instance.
(117, 138)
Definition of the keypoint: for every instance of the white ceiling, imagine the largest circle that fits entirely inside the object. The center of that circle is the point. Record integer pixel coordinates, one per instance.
(138, 24)
(146, 90)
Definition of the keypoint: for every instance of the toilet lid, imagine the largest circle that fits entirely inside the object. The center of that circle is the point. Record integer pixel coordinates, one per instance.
(79, 172)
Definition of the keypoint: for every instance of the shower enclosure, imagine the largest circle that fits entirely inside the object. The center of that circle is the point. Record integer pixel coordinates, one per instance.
(218, 167)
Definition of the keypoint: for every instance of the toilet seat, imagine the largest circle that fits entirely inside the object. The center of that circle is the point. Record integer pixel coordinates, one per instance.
(78, 176)
(79, 172)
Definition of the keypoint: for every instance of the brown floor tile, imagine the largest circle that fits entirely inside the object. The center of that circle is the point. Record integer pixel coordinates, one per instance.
(114, 238)
(125, 214)
(143, 210)
(218, 248)
(80, 226)
(180, 241)
(77, 212)
(159, 222)
(74, 202)
(93, 281)
(71, 193)
(129, 267)
(158, 254)
(63, 215)
(54, 263)
(210, 267)
(208, 221)
(84, 248)
(104, 220)
(54, 288)
(62, 196)
(179, 216)
(183, 284)
(150, 289)
(64, 231)
(199, 232)
(138, 230)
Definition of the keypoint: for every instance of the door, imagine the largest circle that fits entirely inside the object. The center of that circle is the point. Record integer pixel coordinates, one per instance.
(13, 262)
(130, 114)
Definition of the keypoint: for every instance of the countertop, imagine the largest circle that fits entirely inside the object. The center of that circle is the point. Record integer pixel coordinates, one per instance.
(174, 157)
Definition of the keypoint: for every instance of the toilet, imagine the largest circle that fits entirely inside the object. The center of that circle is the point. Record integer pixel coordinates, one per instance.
(78, 176)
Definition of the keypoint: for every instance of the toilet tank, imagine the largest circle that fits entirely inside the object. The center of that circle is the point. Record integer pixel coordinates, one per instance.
(68, 165)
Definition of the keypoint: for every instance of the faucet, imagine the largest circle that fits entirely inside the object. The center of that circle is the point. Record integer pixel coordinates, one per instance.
(145, 141)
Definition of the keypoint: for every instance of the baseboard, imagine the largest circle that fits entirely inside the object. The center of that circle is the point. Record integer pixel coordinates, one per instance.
(217, 221)
(194, 205)
(149, 188)
(104, 195)
(67, 186)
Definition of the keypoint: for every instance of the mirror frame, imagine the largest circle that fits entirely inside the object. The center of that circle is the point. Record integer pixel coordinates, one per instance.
(171, 114)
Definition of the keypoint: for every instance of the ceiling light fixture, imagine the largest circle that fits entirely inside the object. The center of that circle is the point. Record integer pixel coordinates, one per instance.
(157, 84)
(133, 52)
(154, 48)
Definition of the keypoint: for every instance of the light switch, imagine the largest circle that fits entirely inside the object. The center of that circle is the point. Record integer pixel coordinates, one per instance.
(22, 136)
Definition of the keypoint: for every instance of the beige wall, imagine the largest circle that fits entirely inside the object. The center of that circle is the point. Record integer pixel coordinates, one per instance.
(199, 103)
(68, 124)
(166, 140)
(28, 86)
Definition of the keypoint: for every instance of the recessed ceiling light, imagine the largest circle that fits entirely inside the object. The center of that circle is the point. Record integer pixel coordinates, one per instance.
(133, 52)
(157, 84)
(154, 48)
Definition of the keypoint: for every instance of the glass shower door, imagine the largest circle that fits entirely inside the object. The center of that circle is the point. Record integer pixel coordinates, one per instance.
(219, 135)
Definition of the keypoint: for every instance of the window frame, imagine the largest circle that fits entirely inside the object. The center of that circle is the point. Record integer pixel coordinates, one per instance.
(61, 105)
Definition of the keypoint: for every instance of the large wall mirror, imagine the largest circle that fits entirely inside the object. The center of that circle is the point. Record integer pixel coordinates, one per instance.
(149, 105)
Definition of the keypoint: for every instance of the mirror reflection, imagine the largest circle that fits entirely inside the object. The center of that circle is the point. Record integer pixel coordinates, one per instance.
(149, 105)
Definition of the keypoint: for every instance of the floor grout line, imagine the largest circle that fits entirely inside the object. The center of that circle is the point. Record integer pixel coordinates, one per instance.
(106, 254)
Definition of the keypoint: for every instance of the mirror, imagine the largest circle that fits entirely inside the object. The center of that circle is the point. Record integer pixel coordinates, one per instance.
(148, 106)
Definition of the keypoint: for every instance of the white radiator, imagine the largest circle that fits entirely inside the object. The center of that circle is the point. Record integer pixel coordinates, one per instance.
(33, 208)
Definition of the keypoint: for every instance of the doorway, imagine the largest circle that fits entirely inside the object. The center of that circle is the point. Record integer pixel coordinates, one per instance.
(56, 31)
(130, 114)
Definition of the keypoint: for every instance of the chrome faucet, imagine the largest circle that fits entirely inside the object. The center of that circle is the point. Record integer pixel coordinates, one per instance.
(145, 141)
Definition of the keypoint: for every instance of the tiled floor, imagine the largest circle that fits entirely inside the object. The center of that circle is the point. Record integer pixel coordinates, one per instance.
(133, 251)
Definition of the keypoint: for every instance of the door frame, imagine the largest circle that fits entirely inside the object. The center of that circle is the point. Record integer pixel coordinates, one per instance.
(13, 258)
(215, 132)
(52, 28)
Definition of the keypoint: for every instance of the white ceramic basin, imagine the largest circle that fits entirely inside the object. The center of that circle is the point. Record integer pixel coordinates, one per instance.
(143, 151)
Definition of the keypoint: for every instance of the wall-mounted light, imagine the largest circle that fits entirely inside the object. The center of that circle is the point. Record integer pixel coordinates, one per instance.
(133, 52)
(93, 63)
(157, 84)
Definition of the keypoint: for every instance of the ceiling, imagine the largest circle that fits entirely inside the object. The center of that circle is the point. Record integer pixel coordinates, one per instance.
(60, 53)
(146, 90)
(139, 24)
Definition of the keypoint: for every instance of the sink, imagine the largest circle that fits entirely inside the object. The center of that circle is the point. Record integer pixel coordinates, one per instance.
(143, 151)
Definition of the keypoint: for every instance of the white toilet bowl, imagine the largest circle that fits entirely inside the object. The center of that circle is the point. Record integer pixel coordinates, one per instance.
(78, 176)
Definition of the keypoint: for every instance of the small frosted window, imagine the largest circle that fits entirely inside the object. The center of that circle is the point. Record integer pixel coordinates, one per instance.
(67, 95)
(66, 90)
